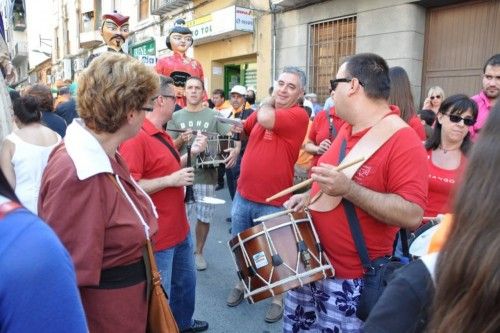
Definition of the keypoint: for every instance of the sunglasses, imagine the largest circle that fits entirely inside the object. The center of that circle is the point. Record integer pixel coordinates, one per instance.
(456, 119)
(334, 83)
(437, 96)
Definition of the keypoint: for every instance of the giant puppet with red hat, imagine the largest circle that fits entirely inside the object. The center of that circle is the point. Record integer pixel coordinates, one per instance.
(178, 65)
(114, 31)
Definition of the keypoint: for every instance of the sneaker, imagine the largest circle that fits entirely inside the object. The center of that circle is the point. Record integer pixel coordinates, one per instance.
(197, 326)
(200, 262)
(274, 313)
(235, 297)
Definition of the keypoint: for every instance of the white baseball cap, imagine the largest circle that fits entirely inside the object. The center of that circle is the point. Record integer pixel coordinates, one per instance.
(239, 90)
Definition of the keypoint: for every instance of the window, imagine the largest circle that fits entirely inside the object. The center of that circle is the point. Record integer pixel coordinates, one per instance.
(88, 22)
(329, 43)
(143, 10)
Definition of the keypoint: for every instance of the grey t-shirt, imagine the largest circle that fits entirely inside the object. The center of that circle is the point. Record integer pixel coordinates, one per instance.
(203, 120)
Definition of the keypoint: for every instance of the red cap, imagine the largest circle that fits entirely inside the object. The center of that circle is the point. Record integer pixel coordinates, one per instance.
(116, 17)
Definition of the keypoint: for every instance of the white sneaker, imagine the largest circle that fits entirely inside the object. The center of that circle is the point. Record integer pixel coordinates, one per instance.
(200, 262)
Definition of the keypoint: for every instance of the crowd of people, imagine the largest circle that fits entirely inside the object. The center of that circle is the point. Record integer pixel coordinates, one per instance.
(85, 183)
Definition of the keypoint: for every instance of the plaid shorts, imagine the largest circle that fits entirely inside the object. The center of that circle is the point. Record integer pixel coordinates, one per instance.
(204, 212)
(323, 306)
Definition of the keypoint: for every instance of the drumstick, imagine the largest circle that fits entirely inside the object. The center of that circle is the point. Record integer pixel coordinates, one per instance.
(273, 215)
(309, 181)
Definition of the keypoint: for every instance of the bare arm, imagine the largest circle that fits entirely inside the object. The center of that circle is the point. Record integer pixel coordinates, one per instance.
(6, 154)
(389, 208)
(266, 115)
(179, 178)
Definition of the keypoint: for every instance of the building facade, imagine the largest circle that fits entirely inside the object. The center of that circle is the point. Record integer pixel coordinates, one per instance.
(440, 42)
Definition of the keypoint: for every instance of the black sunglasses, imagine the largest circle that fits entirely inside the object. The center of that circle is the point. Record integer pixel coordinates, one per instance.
(334, 83)
(437, 96)
(166, 96)
(456, 119)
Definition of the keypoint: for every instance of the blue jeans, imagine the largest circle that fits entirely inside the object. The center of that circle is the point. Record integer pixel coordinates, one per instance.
(232, 175)
(244, 211)
(178, 274)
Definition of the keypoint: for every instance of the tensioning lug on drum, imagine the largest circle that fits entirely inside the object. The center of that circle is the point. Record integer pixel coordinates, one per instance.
(276, 259)
(251, 271)
(319, 248)
(301, 246)
(240, 275)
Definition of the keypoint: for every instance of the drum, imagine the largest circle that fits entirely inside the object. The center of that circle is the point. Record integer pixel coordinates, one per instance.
(420, 239)
(214, 154)
(281, 253)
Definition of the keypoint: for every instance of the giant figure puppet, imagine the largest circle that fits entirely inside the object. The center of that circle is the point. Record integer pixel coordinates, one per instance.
(114, 31)
(179, 66)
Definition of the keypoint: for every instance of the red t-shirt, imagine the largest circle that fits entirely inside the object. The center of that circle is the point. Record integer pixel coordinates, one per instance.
(267, 165)
(320, 129)
(394, 168)
(148, 158)
(442, 182)
(415, 123)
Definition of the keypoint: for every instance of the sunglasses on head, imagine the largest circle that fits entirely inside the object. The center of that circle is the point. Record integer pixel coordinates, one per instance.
(437, 96)
(456, 119)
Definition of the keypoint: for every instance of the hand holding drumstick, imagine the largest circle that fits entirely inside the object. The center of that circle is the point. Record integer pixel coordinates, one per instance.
(326, 175)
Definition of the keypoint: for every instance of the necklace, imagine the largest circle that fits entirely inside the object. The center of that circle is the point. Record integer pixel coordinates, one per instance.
(445, 151)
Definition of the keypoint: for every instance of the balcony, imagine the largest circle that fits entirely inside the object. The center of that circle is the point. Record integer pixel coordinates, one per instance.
(19, 52)
(294, 4)
(160, 7)
(90, 39)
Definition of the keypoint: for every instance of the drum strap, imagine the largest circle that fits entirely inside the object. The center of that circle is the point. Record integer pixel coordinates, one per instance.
(333, 131)
(169, 146)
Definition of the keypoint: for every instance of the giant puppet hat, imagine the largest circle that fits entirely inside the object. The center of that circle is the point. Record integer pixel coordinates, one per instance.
(180, 28)
(116, 17)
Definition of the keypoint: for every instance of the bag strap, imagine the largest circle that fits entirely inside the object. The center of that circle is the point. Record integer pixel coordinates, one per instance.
(353, 220)
(333, 131)
(169, 146)
(403, 234)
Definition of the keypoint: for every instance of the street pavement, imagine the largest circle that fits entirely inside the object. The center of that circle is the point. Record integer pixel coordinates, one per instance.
(215, 283)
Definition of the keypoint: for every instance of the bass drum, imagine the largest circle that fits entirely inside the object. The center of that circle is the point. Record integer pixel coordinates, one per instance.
(420, 239)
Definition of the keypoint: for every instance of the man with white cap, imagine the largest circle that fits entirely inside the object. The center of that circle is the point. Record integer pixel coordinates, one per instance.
(237, 100)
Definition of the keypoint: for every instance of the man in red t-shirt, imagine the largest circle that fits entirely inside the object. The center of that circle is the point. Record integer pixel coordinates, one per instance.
(275, 133)
(160, 171)
(388, 192)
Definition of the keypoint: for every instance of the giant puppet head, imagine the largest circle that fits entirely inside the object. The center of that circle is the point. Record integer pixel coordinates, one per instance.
(180, 37)
(115, 30)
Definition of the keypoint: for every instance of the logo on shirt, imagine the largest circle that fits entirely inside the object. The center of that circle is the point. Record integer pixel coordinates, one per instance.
(195, 124)
(268, 135)
(363, 172)
(442, 179)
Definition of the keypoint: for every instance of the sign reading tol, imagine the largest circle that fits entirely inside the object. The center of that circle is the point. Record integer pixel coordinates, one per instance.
(227, 22)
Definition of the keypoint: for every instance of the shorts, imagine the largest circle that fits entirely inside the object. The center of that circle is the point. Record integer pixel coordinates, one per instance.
(204, 212)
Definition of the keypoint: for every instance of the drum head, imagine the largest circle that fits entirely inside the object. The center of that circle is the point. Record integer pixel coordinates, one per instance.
(420, 244)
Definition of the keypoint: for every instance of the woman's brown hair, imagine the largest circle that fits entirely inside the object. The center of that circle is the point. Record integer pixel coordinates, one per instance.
(468, 270)
(112, 86)
(401, 93)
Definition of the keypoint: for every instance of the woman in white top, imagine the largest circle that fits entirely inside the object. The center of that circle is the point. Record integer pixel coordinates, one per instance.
(25, 151)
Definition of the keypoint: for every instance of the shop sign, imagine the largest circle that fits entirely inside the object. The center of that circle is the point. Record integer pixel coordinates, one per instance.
(144, 48)
(223, 23)
(147, 60)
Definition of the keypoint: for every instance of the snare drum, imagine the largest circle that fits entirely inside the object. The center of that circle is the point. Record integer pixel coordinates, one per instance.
(420, 239)
(214, 154)
(281, 253)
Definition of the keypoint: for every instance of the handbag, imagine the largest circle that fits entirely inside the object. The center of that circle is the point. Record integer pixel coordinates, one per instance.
(160, 317)
(378, 272)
